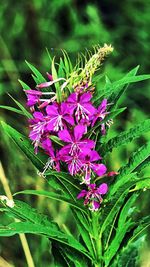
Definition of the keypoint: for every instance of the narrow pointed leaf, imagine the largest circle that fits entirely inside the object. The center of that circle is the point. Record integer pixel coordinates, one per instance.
(134, 161)
(13, 109)
(127, 136)
(52, 195)
(38, 75)
(24, 85)
(25, 112)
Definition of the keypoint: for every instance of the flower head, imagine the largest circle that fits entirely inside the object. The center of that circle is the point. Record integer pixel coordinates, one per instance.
(53, 160)
(59, 116)
(93, 196)
(100, 115)
(75, 141)
(74, 162)
(89, 165)
(38, 126)
(81, 105)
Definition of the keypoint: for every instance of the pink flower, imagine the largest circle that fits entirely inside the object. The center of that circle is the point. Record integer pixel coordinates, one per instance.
(38, 129)
(100, 115)
(59, 116)
(75, 142)
(81, 105)
(93, 197)
(90, 165)
(74, 162)
(33, 97)
(53, 161)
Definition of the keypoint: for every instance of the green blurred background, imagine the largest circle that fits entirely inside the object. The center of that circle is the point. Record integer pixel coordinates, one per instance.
(27, 28)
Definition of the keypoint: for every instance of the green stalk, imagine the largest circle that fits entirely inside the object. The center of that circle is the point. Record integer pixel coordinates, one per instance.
(97, 239)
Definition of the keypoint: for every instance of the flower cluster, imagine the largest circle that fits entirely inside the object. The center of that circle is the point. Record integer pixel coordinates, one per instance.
(69, 121)
(93, 197)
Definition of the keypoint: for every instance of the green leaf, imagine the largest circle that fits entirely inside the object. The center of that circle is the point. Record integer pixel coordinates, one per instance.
(60, 259)
(38, 76)
(141, 228)
(134, 161)
(115, 202)
(124, 224)
(126, 136)
(24, 85)
(115, 86)
(111, 115)
(49, 56)
(145, 184)
(32, 228)
(56, 140)
(57, 86)
(129, 255)
(65, 182)
(26, 146)
(52, 195)
(116, 94)
(67, 63)
(61, 69)
(25, 112)
(133, 79)
(72, 257)
(12, 109)
(110, 92)
(84, 230)
(61, 181)
(143, 165)
(36, 223)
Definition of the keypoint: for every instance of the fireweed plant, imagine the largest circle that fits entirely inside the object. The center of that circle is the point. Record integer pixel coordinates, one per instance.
(69, 120)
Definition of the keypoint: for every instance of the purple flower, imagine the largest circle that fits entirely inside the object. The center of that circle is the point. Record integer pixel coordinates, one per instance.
(76, 143)
(38, 129)
(53, 161)
(33, 97)
(59, 116)
(93, 197)
(101, 113)
(90, 165)
(81, 105)
(74, 162)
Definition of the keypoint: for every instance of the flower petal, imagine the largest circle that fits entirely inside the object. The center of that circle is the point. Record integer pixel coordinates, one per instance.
(94, 156)
(102, 189)
(38, 115)
(33, 92)
(52, 110)
(69, 119)
(64, 108)
(46, 84)
(92, 186)
(102, 106)
(88, 108)
(79, 130)
(51, 123)
(72, 98)
(95, 205)
(65, 136)
(99, 169)
(86, 97)
(82, 194)
(88, 143)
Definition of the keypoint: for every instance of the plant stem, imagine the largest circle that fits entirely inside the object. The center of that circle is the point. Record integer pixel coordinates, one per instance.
(23, 239)
(97, 239)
